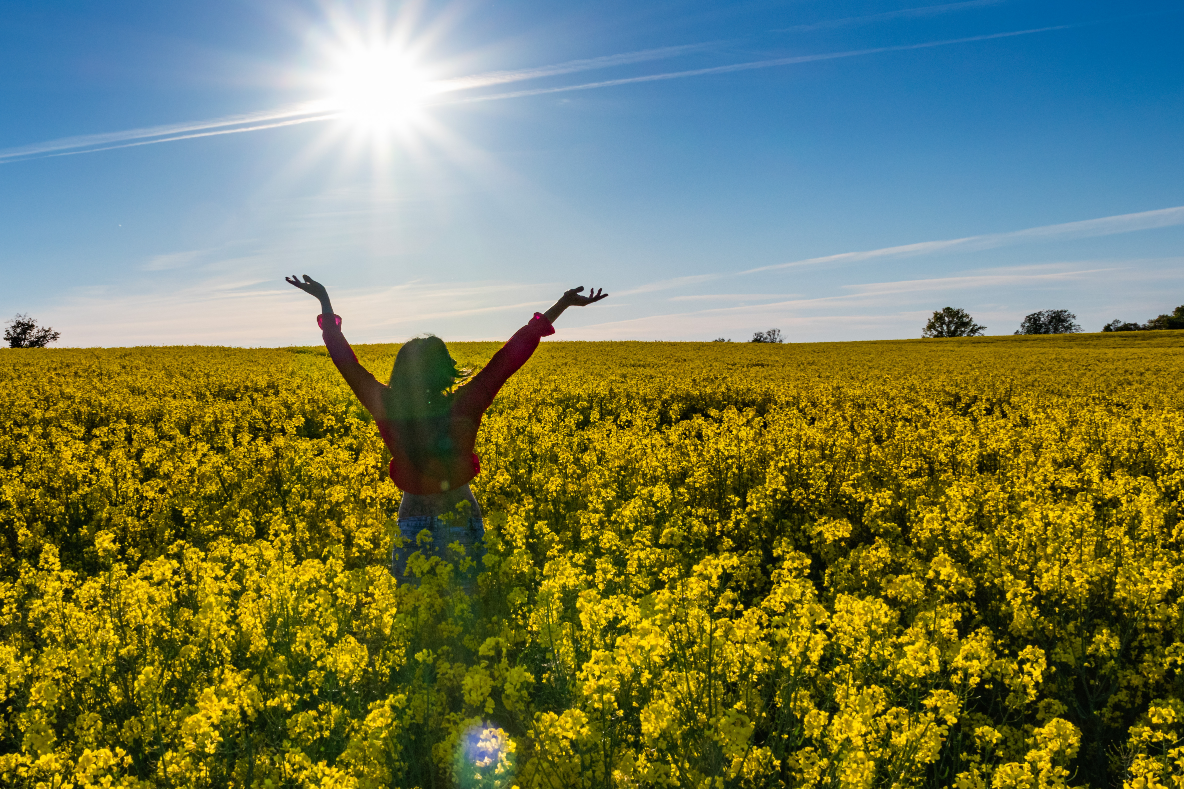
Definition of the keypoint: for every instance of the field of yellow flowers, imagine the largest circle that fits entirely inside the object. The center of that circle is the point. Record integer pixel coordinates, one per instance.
(917, 563)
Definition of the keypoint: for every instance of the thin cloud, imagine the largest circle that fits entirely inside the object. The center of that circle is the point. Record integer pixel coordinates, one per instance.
(739, 325)
(173, 260)
(750, 66)
(466, 312)
(243, 310)
(881, 291)
(168, 131)
(965, 282)
(239, 130)
(669, 284)
(255, 311)
(887, 16)
(569, 67)
(868, 296)
(422, 301)
(735, 297)
(1088, 228)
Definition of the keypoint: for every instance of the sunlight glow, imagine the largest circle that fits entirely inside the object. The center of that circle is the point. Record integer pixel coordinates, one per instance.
(374, 71)
(378, 88)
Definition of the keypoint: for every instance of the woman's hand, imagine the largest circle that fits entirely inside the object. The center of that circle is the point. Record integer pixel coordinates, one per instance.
(572, 298)
(312, 288)
(309, 286)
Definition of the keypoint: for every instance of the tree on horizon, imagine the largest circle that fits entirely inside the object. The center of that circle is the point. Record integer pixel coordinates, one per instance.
(952, 322)
(1050, 322)
(772, 335)
(23, 332)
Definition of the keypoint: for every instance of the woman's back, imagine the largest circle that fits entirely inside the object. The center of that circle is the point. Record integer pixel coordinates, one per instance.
(431, 429)
(432, 443)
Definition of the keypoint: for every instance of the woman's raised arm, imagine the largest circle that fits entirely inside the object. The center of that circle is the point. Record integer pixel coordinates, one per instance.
(364, 385)
(477, 395)
(572, 298)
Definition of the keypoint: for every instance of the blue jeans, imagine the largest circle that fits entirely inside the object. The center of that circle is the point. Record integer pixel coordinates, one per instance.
(469, 532)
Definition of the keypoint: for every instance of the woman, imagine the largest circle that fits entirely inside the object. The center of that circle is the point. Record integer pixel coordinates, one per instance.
(429, 426)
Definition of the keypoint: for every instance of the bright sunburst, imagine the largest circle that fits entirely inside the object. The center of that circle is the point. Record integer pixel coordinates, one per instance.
(379, 78)
(378, 88)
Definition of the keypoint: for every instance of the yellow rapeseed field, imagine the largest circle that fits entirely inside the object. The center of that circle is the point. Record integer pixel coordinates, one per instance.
(922, 563)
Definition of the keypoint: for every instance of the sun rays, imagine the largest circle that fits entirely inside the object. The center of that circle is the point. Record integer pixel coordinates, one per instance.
(378, 88)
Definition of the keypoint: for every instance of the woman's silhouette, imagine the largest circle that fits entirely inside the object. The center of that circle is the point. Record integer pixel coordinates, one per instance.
(429, 424)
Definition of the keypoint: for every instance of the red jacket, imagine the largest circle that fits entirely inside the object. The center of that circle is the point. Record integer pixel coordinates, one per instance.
(464, 415)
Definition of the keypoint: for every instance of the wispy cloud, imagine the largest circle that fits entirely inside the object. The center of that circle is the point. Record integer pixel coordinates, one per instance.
(236, 310)
(229, 124)
(418, 304)
(739, 326)
(886, 292)
(1088, 228)
(173, 260)
(1066, 231)
(193, 136)
(669, 284)
(888, 16)
(750, 66)
(736, 297)
(233, 309)
(874, 306)
(1026, 277)
(568, 67)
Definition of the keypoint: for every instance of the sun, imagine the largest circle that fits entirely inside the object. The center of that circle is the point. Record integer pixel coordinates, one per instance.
(378, 88)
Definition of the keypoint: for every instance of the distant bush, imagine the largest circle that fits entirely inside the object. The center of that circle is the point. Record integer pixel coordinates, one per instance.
(23, 332)
(952, 322)
(772, 335)
(1050, 322)
(721, 339)
(1173, 320)
(1117, 325)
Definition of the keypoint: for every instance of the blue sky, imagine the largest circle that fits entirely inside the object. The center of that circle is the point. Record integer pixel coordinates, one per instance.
(836, 170)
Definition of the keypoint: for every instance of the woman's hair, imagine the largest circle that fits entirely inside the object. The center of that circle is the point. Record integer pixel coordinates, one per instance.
(421, 390)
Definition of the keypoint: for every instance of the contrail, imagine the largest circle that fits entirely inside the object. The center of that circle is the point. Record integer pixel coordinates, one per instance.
(310, 112)
(68, 143)
(316, 111)
(569, 67)
(1087, 228)
(750, 65)
(215, 133)
(903, 13)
